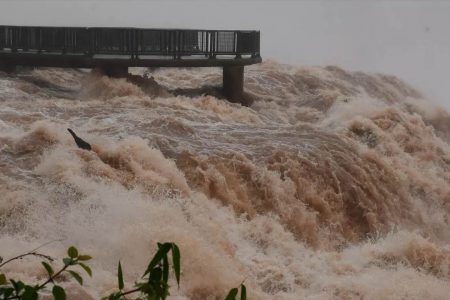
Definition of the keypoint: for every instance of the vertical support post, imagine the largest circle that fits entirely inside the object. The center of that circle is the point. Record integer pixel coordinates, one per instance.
(7, 67)
(64, 41)
(137, 42)
(233, 84)
(15, 38)
(25, 38)
(40, 40)
(115, 71)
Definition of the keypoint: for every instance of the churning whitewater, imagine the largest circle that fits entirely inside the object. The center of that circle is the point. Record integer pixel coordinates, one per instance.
(332, 185)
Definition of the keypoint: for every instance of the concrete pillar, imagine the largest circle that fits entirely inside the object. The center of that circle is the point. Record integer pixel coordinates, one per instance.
(114, 71)
(7, 68)
(233, 83)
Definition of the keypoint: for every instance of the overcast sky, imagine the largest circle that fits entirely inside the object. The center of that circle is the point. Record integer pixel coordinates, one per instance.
(410, 39)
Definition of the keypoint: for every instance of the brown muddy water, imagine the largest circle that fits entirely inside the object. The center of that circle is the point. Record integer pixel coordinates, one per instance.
(332, 185)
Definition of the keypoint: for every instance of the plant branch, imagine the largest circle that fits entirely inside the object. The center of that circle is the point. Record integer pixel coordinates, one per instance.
(53, 277)
(33, 253)
(130, 292)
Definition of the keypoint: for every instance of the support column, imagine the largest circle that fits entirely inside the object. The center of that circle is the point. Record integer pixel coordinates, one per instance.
(233, 84)
(114, 71)
(7, 68)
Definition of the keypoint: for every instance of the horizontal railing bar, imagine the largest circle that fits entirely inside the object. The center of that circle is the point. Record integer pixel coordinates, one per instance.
(140, 28)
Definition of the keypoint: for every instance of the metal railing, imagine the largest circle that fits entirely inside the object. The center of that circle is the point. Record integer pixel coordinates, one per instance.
(133, 42)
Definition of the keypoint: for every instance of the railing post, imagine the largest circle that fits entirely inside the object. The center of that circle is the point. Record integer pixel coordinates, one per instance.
(40, 38)
(180, 44)
(128, 39)
(138, 46)
(91, 41)
(236, 52)
(2, 38)
(212, 42)
(255, 44)
(14, 39)
(64, 41)
(174, 44)
(177, 44)
(24, 39)
(215, 44)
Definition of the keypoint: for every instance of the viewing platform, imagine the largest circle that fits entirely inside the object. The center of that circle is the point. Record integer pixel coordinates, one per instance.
(113, 50)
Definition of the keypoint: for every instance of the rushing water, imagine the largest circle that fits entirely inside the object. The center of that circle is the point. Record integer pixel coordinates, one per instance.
(332, 185)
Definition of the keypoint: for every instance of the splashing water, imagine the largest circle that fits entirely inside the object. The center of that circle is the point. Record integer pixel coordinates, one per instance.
(333, 185)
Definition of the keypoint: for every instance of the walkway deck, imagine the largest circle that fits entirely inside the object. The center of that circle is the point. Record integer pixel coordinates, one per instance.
(115, 49)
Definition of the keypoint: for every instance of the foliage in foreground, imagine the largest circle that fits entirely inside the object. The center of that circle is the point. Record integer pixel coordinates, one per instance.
(152, 286)
(12, 289)
(155, 279)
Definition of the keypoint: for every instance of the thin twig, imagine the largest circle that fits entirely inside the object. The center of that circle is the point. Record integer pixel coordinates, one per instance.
(32, 252)
(130, 292)
(27, 254)
(47, 243)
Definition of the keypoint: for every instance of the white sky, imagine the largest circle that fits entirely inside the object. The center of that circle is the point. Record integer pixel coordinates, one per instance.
(410, 39)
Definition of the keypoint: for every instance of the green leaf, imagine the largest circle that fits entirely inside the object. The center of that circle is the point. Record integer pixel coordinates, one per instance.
(3, 279)
(144, 287)
(165, 290)
(115, 296)
(155, 275)
(165, 274)
(232, 294)
(18, 285)
(162, 251)
(14, 284)
(86, 268)
(67, 261)
(7, 292)
(176, 262)
(76, 276)
(29, 294)
(72, 252)
(58, 293)
(120, 276)
(153, 296)
(84, 257)
(48, 268)
(243, 292)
